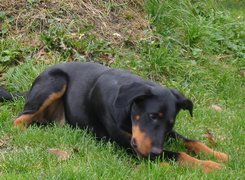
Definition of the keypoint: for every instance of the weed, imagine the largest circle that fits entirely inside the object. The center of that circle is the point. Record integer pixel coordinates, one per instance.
(5, 23)
(12, 53)
(78, 45)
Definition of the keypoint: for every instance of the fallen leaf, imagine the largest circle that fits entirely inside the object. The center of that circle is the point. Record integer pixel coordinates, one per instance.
(117, 35)
(242, 73)
(211, 138)
(216, 108)
(41, 53)
(164, 164)
(61, 154)
(4, 141)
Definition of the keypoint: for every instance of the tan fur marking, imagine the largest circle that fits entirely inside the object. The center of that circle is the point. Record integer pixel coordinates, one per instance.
(55, 112)
(52, 97)
(207, 166)
(23, 120)
(199, 147)
(137, 117)
(27, 119)
(160, 114)
(144, 143)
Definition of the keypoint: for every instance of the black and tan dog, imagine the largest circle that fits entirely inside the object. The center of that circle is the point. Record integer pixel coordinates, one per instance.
(115, 104)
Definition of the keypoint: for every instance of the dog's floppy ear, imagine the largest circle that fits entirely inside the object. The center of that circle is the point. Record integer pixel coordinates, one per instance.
(129, 92)
(182, 101)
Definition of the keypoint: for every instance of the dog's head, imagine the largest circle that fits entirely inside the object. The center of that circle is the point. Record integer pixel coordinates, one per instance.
(153, 113)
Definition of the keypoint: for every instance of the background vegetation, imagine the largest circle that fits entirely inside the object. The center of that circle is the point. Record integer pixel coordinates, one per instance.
(194, 46)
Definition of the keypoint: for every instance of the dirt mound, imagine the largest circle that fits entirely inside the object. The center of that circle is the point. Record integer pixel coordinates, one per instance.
(118, 21)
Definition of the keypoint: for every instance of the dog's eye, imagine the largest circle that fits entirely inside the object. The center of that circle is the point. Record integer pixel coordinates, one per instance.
(153, 116)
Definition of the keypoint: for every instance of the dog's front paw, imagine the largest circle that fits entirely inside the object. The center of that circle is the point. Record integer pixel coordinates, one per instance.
(222, 157)
(209, 166)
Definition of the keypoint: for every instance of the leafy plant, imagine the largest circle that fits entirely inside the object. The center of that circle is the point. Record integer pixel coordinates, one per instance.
(75, 44)
(12, 52)
(6, 22)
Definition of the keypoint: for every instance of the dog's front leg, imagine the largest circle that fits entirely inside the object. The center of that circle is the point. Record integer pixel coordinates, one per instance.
(199, 147)
(184, 159)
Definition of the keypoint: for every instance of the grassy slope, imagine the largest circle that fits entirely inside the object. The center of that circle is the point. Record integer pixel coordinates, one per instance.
(196, 48)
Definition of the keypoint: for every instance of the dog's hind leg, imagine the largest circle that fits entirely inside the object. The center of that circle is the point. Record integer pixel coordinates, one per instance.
(44, 102)
(198, 147)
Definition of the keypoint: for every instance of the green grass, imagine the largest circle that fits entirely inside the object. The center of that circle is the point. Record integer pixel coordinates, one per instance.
(194, 46)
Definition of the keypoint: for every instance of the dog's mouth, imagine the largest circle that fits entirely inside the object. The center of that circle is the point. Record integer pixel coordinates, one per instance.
(134, 146)
(153, 154)
(140, 155)
(143, 156)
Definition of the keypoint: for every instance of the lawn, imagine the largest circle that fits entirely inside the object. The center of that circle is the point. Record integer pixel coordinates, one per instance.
(196, 47)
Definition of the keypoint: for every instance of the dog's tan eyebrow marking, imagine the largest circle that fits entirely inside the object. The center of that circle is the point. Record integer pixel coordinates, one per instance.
(160, 114)
(136, 117)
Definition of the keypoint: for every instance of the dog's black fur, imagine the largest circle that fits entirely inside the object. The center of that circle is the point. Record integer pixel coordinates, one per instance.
(115, 104)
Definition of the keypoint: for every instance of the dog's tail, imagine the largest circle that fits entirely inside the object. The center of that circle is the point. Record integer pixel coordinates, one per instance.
(6, 96)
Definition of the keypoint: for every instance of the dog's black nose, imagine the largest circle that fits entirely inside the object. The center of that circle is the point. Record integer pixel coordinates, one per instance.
(134, 143)
(156, 152)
